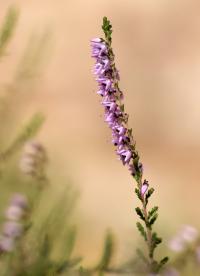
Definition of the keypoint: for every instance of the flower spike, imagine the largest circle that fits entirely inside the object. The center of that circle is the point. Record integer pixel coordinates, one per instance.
(107, 77)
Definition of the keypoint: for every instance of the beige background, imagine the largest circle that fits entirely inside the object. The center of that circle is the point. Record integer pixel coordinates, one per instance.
(157, 47)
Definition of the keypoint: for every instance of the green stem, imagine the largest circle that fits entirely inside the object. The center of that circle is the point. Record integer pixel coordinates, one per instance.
(148, 231)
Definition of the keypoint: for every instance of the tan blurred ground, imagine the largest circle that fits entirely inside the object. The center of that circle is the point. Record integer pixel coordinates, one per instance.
(157, 46)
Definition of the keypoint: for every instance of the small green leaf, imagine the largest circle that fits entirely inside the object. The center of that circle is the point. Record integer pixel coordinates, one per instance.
(140, 213)
(149, 193)
(155, 241)
(164, 261)
(141, 230)
(137, 191)
(152, 212)
(153, 219)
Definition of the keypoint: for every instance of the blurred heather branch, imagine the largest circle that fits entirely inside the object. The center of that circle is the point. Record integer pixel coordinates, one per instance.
(28, 244)
(107, 254)
(27, 132)
(34, 56)
(7, 29)
(18, 91)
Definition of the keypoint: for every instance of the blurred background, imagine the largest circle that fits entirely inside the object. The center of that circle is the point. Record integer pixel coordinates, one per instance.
(157, 48)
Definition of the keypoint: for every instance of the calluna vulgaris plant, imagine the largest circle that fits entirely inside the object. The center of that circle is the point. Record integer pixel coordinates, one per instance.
(107, 77)
(36, 242)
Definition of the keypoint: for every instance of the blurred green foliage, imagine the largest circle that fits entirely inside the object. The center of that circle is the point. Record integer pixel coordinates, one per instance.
(7, 29)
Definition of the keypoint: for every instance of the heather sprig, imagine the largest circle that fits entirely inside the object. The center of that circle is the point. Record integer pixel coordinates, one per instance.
(186, 245)
(107, 77)
(13, 226)
(33, 161)
(27, 132)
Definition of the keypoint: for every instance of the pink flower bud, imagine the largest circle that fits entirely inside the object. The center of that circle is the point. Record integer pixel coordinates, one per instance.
(144, 188)
(14, 213)
(12, 229)
(7, 244)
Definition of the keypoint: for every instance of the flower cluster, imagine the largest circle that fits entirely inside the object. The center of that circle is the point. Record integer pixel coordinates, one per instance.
(107, 78)
(171, 271)
(33, 159)
(183, 238)
(13, 227)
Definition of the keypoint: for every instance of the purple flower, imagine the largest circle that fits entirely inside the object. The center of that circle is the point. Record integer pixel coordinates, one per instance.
(144, 188)
(33, 148)
(109, 105)
(6, 244)
(189, 233)
(106, 84)
(99, 48)
(12, 229)
(171, 271)
(17, 207)
(120, 130)
(125, 156)
(176, 244)
(101, 66)
(14, 213)
(33, 159)
(120, 141)
(13, 226)
(110, 118)
(101, 92)
(185, 236)
(19, 200)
